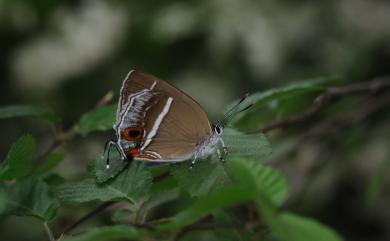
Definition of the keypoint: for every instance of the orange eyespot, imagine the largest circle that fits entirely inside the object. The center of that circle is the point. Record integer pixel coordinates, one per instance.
(132, 134)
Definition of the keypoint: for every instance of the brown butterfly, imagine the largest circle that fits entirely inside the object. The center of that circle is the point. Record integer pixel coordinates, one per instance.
(157, 122)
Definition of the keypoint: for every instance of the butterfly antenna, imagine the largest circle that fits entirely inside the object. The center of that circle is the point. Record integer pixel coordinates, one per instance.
(239, 111)
(232, 111)
(227, 113)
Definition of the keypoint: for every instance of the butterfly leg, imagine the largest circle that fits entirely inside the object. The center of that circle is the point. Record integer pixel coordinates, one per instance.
(220, 156)
(224, 148)
(193, 162)
(106, 152)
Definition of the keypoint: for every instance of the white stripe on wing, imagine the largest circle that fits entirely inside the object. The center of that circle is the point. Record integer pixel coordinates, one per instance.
(118, 114)
(157, 123)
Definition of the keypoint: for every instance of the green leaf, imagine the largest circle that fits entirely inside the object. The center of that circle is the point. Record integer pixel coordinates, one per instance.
(254, 146)
(291, 227)
(18, 161)
(205, 177)
(157, 200)
(233, 234)
(118, 232)
(30, 197)
(293, 105)
(163, 185)
(223, 198)
(99, 170)
(266, 180)
(287, 226)
(26, 110)
(161, 198)
(130, 185)
(259, 99)
(209, 175)
(101, 119)
(51, 161)
(53, 180)
(313, 85)
(158, 170)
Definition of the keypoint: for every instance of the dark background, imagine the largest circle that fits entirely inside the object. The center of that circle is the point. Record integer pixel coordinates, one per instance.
(66, 55)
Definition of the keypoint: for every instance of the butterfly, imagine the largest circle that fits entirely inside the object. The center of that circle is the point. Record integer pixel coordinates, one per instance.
(157, 122)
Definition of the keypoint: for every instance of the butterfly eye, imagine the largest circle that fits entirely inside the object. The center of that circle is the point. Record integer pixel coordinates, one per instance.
(218, 130)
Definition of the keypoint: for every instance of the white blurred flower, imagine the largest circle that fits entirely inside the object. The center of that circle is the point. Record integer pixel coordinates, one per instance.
(366, 18)
(175, 21)
(81, 40)
(264, 37)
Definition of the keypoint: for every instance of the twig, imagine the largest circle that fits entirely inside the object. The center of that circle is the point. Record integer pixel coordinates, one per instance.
(63, 137)
(106, 99)
(161, 176)
(161, 220)
(97, 210)
(359, 112)
(48, 231)
(206, 226)
(330, 95)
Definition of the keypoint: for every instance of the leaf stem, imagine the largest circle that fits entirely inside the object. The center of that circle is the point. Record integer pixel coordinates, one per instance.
(97, 210)
(48, 231)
